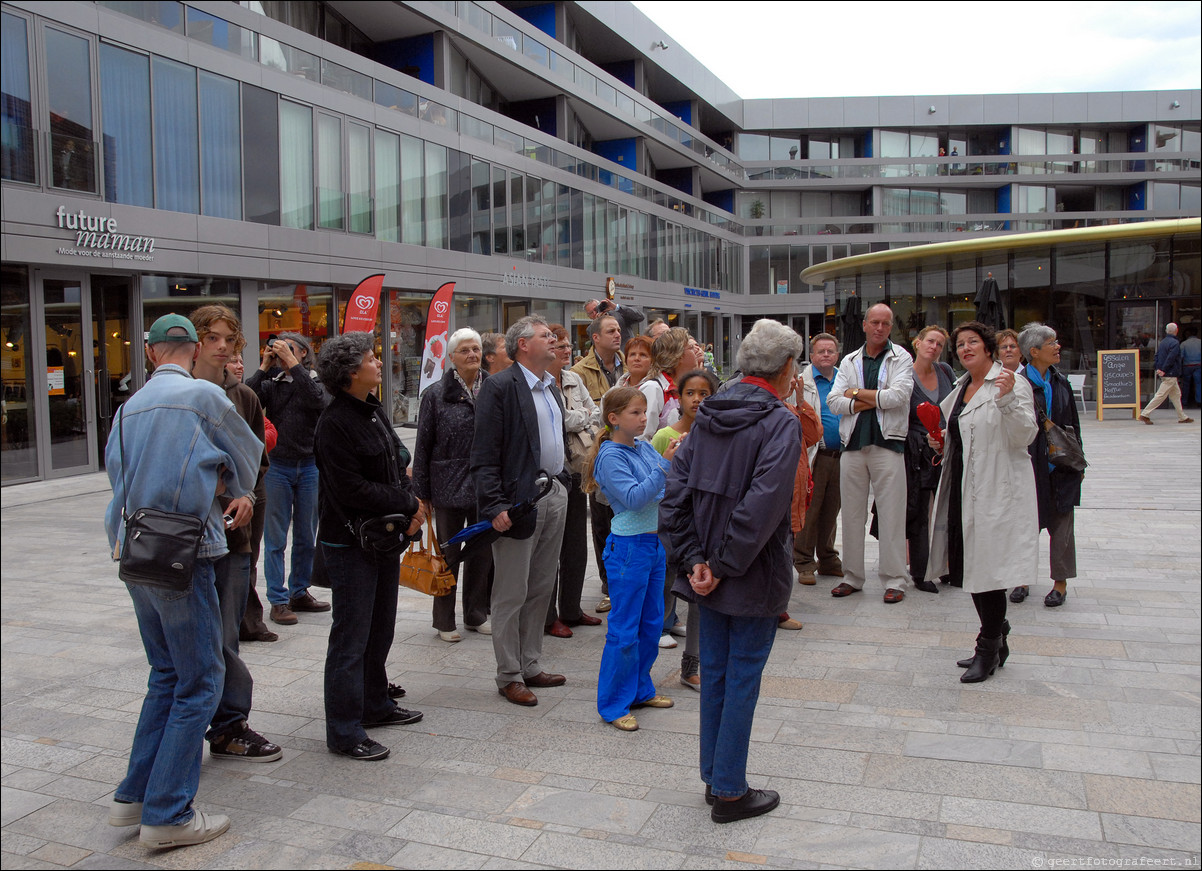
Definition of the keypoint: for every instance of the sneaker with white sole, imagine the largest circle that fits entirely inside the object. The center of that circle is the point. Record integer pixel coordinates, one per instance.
(125, 813)
(667, 642)
(198, 830)
(244, 743)
(484, 628)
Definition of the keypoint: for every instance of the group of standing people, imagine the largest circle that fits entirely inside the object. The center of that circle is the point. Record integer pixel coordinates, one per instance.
(695, 492)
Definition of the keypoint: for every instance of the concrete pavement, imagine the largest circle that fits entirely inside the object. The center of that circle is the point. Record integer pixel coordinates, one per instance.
(1083, 751)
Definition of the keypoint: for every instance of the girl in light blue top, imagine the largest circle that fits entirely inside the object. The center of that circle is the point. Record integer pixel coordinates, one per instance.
(631, 474)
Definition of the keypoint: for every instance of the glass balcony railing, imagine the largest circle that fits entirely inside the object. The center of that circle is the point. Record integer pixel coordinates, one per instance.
(961, 167)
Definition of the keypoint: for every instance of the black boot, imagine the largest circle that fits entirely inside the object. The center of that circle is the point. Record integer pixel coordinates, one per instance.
(966, 662)
(1003, 652)
(984, 662)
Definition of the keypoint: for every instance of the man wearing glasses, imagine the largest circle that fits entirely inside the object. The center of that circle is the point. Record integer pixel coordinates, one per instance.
(520, 432)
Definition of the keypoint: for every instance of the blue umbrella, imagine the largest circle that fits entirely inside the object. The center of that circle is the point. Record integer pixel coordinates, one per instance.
(482, 533)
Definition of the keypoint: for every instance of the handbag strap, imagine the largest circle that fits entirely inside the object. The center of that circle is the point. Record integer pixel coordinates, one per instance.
(434, 539)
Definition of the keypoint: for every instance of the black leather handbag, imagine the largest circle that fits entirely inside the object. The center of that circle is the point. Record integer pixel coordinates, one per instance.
(160, 547)
(1063, 448)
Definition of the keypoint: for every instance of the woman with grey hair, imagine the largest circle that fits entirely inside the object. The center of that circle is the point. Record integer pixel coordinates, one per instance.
(362, 466)
(1057, 488)
(725, 520)
(442, 480)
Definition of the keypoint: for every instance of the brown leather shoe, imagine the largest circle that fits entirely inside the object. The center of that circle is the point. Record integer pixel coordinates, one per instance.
(543, 679)
(1146, 419)
(843, 590)
(558, 629)
(1186, 420)
(283, 615)
(585, 620)
(306, 602)
(893, 596)
(516, 692)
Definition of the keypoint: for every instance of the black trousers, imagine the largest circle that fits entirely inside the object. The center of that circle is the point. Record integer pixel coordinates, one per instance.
(602, 517)
(473, 575)
(573, 559)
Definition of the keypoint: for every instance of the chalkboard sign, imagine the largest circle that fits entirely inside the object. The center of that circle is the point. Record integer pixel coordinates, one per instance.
(1118, 380)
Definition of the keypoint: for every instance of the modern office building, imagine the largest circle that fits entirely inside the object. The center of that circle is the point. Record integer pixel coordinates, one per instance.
(158, 155)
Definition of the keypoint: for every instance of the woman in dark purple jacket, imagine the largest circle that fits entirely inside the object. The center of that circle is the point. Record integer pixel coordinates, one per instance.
(725, 520)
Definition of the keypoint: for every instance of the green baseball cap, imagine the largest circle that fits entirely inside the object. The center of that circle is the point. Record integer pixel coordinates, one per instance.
(168, 329)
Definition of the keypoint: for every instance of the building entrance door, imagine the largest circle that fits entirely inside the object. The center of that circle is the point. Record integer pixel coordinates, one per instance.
(65, 395)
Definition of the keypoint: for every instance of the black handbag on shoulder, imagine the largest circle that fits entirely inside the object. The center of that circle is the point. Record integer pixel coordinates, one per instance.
(160, 547)
(1064, 450)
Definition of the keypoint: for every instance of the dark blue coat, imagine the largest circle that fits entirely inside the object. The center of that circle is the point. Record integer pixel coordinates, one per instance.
(728, 499)
(442, 456)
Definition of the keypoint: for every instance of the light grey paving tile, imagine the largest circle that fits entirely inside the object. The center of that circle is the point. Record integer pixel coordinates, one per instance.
(430, 856)
(581, 809)
(364, 816)
(836, 845)
(447, 789)
(571, 851)
(1185, 769)
(1020, 817)
(46, 757)
(453, 832)
(948, 853)
(18, 845)
(1126, 763)
(974, 780)
(18, 803)
(1002, 752)
(1147, 832)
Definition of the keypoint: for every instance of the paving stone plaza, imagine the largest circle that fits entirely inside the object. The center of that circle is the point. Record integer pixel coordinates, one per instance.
(1082, 752)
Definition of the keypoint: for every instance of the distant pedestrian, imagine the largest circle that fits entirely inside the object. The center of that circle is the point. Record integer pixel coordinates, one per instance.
(1169, 367)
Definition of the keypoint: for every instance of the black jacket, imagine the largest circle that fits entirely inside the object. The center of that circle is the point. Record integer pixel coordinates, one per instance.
(1059, 490)
(293, 406)
(505, 448)
(442, 456)
(361, 467)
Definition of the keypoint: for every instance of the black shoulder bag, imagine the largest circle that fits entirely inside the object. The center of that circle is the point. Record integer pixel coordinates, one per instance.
(1063, 448)
(160, 547)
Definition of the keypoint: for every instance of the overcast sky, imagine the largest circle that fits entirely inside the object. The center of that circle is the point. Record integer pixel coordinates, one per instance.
(838, 49)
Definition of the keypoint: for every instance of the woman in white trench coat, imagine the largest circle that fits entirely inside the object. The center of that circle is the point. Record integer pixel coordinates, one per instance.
(986, 526)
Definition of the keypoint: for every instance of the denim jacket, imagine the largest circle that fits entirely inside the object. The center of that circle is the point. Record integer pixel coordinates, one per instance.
(177, 432)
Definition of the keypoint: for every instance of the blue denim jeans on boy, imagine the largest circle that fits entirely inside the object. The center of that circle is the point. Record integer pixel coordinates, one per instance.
(635, 565)
(291, 501)
(181, 632)
(732, 662)
(364, 592)
(232, 573)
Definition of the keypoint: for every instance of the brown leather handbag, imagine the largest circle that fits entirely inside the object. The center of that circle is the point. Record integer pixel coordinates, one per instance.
(424, 569)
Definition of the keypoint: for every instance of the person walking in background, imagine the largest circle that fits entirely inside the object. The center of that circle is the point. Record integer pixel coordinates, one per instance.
(293, 400)
(442, 478)
(627, 316)
(632, 474)
(1169, 367)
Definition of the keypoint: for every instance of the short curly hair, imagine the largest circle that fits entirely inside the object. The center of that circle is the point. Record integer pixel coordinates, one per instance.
(340, 357)
(767, 347)
(987, 333)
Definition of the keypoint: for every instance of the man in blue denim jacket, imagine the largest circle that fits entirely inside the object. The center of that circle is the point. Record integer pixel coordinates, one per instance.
(177, 444)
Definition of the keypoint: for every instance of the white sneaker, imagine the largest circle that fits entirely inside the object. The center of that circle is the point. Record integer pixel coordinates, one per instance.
(450, 637)
(667, 642)
(484, 628)
(198, 830)
(125, 813)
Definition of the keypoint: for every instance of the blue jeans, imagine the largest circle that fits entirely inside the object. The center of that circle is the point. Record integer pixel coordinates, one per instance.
(732, 662)
(181, 632)
(364, 592)
(635, 565)
(232, 573)
(291, 501)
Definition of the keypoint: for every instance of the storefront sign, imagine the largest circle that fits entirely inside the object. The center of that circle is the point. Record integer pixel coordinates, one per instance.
(708, 294)
(97, 236)
(438, 320)
(1118, 381)
(360, 316)
(514, 280)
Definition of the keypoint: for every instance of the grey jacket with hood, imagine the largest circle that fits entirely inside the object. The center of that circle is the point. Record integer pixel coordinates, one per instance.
(728, 498)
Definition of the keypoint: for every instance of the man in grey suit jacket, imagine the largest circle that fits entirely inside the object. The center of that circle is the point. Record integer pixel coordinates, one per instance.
(520, 432)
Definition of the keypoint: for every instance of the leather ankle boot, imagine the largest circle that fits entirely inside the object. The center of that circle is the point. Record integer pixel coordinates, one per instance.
(984, 662)
(1003, 652)
(967, 661)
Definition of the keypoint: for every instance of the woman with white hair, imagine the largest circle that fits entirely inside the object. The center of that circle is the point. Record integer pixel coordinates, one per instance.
(725, 518)
(1057, 488)
(442, 480)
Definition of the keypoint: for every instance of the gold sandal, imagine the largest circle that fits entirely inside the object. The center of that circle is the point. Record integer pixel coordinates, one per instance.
(655, 702)
(627, 723)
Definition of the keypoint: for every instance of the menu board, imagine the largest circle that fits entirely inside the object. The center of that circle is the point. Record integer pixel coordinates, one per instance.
(1118, 380)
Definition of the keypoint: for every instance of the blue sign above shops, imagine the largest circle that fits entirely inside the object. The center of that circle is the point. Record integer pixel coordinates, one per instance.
(708, 294)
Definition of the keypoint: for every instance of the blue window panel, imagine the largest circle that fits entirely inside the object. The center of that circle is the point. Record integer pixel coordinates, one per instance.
(17, 156)
(542, 17)
(176, 138)
(413, 56)
(220, 147)
(125, 116)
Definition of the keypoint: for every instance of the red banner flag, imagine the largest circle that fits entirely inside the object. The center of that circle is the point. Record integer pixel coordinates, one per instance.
(438, 321)
(360, 315)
